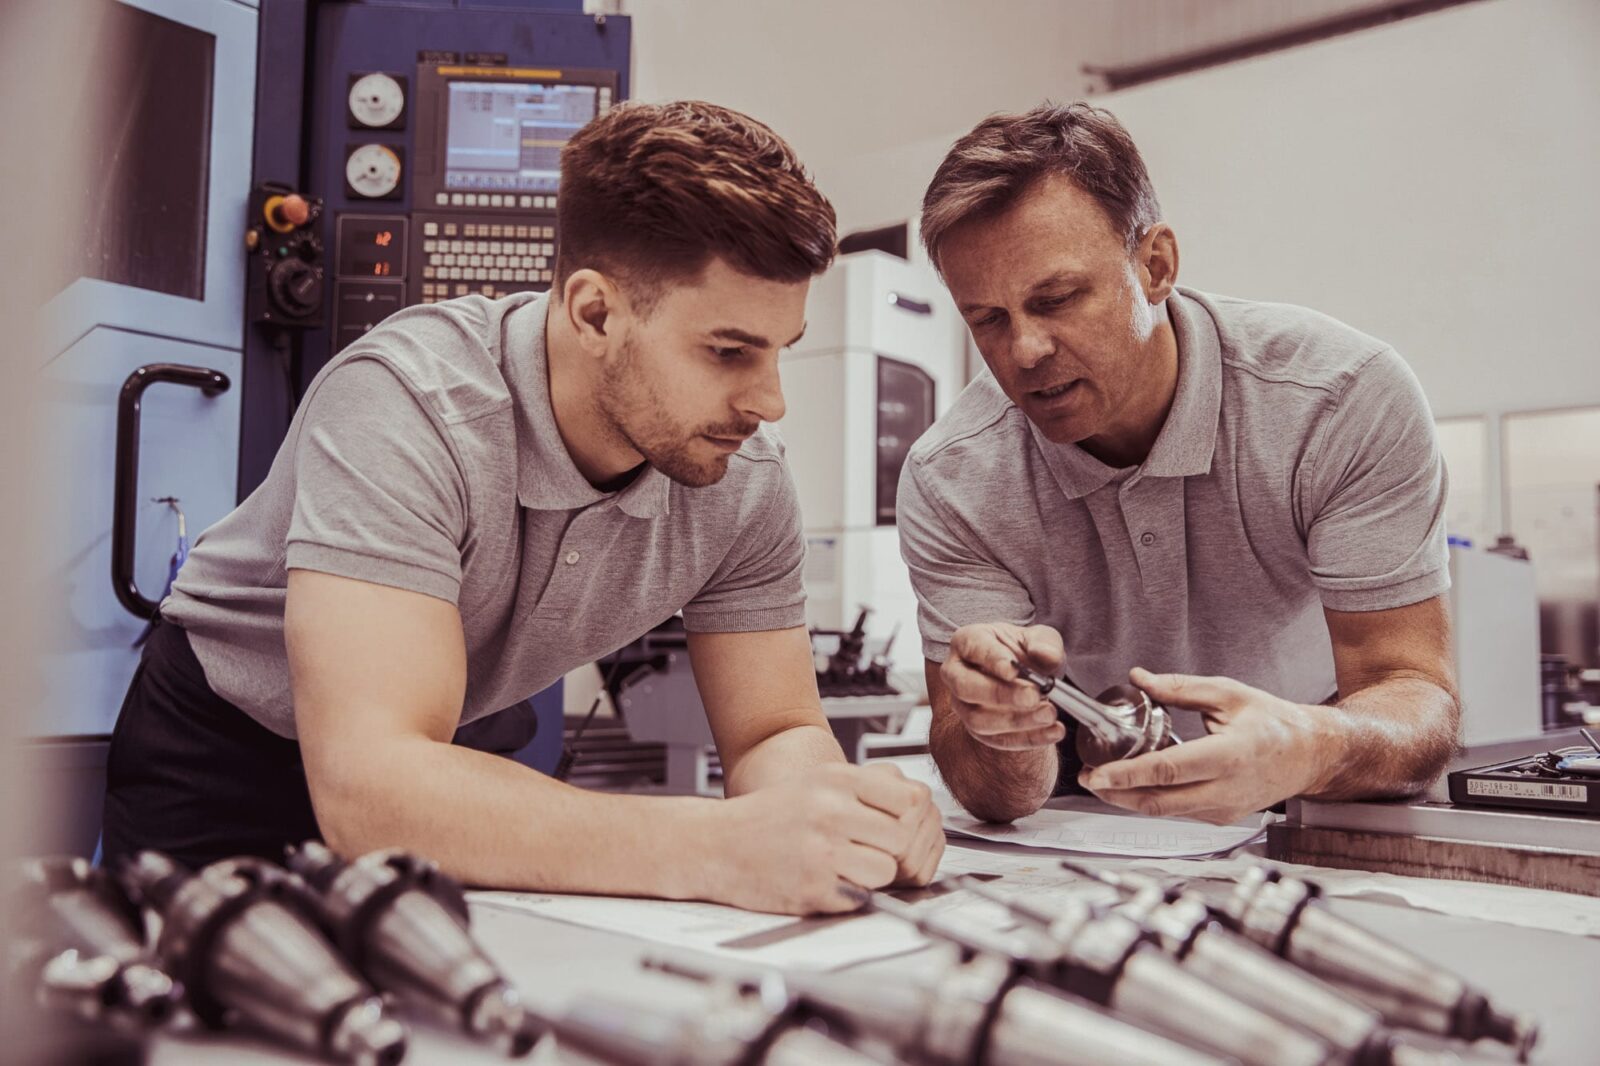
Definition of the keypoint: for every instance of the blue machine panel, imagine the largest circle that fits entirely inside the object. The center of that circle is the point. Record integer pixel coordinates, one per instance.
(188, 449)
(166, 183)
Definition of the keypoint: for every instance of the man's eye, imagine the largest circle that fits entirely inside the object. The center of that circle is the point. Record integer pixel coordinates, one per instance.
(986, 320)
(728, 353)
(1050, 303)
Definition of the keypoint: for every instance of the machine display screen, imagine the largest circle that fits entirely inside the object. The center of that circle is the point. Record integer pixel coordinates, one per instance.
(507, 136)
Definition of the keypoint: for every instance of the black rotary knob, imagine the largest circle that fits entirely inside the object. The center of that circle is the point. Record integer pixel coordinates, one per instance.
(295, 288)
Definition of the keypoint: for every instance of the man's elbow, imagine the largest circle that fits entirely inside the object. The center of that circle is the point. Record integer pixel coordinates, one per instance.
(357, 798)
(1441, 740)
(983, 797)
(999, 809)
(1434, 742)
(339, 805)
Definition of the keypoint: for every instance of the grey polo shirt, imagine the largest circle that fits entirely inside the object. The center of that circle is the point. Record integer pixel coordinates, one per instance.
(426, 457)
(1298, 469)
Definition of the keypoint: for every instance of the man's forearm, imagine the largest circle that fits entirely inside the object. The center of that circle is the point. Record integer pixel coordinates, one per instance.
(994, 785)
(784, 754)
(1390, 739)
(490, 821)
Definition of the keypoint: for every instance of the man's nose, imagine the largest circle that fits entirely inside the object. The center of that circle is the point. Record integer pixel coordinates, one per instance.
(763, 398)
(1031, 343)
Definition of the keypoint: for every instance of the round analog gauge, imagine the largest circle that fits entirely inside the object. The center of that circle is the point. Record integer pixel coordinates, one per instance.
(373, 170)
(376, 100)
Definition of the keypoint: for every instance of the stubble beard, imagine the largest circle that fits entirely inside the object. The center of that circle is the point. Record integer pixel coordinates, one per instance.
(638, 415)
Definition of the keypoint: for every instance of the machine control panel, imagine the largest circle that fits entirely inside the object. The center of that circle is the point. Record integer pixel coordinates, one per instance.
(482, 180)
(492, 258)
(284, 286)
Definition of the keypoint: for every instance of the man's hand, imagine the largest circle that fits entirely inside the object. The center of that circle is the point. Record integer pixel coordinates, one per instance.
(998, 710)
(808, 844)
(916, 865)
(1262, 749)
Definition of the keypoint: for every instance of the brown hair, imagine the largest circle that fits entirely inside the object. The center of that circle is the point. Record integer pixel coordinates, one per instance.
(651, 192)
(987, 170)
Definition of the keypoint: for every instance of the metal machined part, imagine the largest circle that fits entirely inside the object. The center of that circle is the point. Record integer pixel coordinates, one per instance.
(943, 1019)
(78, 945)
(964, 1002)
(1253, 975)
(1286, 916)
(1121, 723)
(405, 926)
(801, 1046)
(735, 1028)
(1186, 929)
(1108, 959)
(1039, 1026)
(1157, 991)
(1112, 960)
(242, 936)
(1190, 927)
(977, 1010)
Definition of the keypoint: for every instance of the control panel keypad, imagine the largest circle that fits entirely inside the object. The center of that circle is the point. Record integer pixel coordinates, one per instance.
(490, 258)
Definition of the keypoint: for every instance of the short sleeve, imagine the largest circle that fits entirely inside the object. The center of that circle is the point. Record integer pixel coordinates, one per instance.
(378, 494)
(760, 585)
(957, 580)
(1373, 495)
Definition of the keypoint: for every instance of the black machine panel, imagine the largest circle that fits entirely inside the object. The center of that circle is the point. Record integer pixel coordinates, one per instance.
(484, 178)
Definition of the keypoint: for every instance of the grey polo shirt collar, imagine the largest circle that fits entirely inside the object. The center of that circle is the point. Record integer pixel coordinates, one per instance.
(1189, 435)
(547, 478)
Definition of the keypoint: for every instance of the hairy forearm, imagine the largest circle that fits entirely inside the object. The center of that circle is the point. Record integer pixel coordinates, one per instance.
(1393, 738)
(490, 821)
(994, 785)
(784, 754)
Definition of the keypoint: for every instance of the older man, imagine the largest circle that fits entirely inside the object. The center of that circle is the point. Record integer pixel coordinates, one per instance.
(1241, 502)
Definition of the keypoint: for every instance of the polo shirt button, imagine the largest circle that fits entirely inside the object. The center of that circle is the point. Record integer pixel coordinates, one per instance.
(1146, 539)
(573, 557)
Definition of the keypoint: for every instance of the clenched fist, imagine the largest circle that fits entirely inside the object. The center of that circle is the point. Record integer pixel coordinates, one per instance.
(808, 844)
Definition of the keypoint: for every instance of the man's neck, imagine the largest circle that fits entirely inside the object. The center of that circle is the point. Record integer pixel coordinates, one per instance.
(596, 449)
(1127, 441)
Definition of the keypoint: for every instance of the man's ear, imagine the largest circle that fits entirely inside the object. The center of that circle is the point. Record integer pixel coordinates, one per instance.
(591, 303)
(1157, 257)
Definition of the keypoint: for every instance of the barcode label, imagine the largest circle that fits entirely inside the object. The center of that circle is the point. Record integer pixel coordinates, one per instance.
(1528, 790)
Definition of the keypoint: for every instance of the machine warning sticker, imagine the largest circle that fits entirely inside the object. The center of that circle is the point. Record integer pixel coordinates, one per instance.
(1528, 790)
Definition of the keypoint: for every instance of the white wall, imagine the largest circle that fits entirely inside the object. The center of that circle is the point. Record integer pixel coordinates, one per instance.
(842, 78)
(1435, 182)
(1432, 182)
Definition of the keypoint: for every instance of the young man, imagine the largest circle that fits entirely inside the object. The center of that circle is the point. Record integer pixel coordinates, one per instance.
(481, 495)
(1153, 478)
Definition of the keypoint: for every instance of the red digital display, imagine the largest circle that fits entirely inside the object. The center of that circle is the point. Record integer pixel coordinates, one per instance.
(372, 247)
